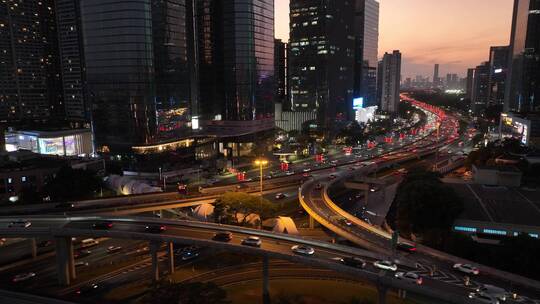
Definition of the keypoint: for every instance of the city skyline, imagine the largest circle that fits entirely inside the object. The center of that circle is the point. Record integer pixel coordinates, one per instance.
(480, 24)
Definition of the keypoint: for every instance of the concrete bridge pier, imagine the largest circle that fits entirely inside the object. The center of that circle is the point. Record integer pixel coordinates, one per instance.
(266, 283)
(311, 222)
(65, 260)
(381, 291)
(170, 249)
(33, 247)
(154, 248)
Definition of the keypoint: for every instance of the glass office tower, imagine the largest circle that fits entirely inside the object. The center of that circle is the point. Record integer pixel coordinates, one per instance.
(366, 53)
(138, 57)
(236, 65)
(523, 85)
(333, 56)
(322, 56)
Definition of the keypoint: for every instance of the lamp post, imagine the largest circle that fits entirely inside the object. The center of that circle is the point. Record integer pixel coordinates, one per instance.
(261, 163)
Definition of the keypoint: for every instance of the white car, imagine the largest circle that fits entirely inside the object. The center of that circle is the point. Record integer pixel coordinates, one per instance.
(385, 265)
(494, 291)
(484, 298)
(23, 277)
(112, 249)
(280, 196)
(20, 224)
(289, 173)
(253, 241)
(410, 277)
(466, 268)
(303, 250)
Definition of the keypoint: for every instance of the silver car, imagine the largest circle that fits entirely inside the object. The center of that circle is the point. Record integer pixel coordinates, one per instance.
(385, 265)
(495, 291)
(303, 250)
(253, 241)
(484, 298)
(466, 268)
(20, 224)
(23, 277)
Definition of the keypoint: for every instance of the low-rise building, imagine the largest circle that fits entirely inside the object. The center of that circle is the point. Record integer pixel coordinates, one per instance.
(23, 169)
(70, 142)
(524, 127)
(506, 176)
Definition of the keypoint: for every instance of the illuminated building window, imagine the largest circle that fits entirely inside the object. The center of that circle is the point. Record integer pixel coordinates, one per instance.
(493, 231)
(464, 229)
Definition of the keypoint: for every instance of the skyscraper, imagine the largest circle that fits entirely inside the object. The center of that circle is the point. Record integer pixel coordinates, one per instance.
(236, 61)
(71, 56)
(523, 85)
(366, 29)
(480, 93)
(436, 79)
(30, 82)
(389, 81)
(470, 84)
(322, 58)
(280, 67)
(498, 68)
(138, 57)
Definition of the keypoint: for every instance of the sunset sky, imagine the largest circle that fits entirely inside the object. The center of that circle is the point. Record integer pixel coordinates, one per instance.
(456, 34)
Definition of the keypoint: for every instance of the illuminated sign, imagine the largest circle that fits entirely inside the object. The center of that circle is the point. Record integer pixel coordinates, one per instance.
(195, 123)
(358, 103)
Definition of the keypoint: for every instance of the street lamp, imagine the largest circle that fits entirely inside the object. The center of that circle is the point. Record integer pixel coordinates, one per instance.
(261, 163)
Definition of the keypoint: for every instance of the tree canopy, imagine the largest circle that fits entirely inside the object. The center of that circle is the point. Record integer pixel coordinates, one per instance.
(231, 204)
(425, 206)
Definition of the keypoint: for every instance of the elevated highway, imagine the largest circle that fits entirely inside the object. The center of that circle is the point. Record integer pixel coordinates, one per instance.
(315, 200)
(274, 246)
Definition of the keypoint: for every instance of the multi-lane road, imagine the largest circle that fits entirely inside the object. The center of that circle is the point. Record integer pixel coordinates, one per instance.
(315, 200)
(445, 284)
(274, 245)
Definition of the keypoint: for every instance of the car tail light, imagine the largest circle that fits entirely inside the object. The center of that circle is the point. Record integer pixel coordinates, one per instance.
(109, 225)
(420, 281)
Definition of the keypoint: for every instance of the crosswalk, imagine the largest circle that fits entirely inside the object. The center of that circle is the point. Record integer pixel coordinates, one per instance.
(443, 276)
(457, 280)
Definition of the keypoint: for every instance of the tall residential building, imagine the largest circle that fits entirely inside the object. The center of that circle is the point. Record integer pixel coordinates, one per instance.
(30, 78)
(138, 59)
(480, 96)
(366, 30)
(470, 84)
(389, 81)
(523, 85)
(498, 68)
(77, 107)
(236, 61)
(322, 56)
(436, 80)
(280, 69)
